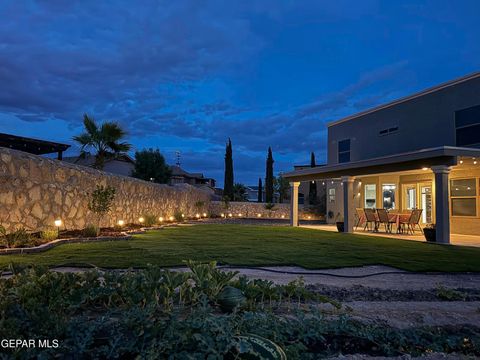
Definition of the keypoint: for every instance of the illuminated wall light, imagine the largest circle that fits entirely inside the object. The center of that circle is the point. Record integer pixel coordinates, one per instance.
(58, 223)
(309, 217)
(424, 168)
(259, 215)
(332, 181)
(204, 214)
(323, 183)
(358, 194)
(283, 216)
(313, 181)
(240, 214)
(474, 162)
(461, 161)
(121, 222)
(141, 220)
(160, 219)
(359, 183)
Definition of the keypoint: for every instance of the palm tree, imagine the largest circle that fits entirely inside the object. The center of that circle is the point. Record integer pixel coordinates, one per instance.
(104, 139)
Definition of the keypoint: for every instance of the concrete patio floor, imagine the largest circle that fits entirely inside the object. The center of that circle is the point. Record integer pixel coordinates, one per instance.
(455, 239)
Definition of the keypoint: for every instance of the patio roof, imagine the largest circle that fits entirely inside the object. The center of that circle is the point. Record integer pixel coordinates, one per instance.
(30, 145)
(415, 160)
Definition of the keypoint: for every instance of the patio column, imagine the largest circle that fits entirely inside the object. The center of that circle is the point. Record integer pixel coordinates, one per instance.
(348, 203)
(294, 203)
(442, 211)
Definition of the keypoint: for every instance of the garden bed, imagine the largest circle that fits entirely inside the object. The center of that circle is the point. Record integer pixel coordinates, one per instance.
(156, 313)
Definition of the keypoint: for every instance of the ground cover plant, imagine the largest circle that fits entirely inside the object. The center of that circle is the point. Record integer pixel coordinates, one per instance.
(257, 246)
(156, 313)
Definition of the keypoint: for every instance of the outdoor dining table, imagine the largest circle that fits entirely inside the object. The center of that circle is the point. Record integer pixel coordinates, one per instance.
(398, 218)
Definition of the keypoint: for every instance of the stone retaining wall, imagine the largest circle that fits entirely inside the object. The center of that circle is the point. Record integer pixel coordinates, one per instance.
(253, 209)
(34, 191)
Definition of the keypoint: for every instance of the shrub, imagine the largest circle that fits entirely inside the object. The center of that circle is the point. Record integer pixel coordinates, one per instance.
(150, 220)
(178, 216)
(49, 234)
(269, 206)
(101, 201)
(91, 231)
(19, 238)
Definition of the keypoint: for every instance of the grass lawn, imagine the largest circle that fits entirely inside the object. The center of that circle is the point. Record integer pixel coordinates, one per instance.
(257, 245)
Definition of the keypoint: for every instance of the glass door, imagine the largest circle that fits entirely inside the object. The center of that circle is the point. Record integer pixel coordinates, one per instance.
(426, 202)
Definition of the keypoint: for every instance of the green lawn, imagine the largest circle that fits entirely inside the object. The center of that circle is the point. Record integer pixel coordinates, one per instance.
(257, 245)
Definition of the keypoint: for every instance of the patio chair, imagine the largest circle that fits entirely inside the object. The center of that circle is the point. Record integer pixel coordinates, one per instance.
(360, 217)
(384, 219)
(370, 219)
(412, 222)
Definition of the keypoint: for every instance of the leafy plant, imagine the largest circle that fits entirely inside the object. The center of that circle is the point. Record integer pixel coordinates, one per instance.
(18, 238)
(49, 234)
(101, 201)
(91, 231)
(449, 294)
(179, 216)
(150, 220)
(269, 206)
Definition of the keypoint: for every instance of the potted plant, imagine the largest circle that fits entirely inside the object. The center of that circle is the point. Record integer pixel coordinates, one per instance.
(430, 232)
(339, 222)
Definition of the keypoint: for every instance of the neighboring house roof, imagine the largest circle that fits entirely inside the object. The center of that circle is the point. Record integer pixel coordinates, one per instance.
(177, 171)
(89, 160)
(31, 145)
(409, 97)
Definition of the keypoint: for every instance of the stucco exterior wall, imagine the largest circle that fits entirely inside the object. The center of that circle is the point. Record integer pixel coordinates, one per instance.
(424, 122)
(34, 191)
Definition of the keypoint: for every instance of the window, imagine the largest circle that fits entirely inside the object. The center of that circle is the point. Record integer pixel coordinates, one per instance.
(388, 191)
(410, 197)
(388, 131)
(463, 193)
(370, 196)
(467, 127)
(331, 195)
(344, 151)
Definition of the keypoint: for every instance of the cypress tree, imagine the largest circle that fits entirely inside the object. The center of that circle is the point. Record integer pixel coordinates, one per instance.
(228, 182)
(269, 178)
(312, 193)
(260, 193)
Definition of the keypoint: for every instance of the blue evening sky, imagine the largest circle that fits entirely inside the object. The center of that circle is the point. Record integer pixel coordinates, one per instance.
(186, 75)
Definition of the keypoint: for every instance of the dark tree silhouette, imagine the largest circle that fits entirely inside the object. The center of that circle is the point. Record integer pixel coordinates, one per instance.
(150, 165)
(228, 182)
(312, 193)
(260, 191)
(269, 177)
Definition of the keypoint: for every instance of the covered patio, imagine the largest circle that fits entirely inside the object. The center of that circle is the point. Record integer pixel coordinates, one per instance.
(455, 239)
(425, 175)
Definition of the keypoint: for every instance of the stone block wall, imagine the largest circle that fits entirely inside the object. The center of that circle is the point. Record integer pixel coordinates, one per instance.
(34, 191)
(252, 209)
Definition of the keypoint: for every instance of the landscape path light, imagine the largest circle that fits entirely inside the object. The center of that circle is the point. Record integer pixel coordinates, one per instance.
(160, 219)
(58, 223)
(204, 214)
(121, 223)
(141, 220)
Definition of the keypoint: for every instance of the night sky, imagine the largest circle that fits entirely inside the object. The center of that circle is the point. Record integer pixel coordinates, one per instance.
(186, 75)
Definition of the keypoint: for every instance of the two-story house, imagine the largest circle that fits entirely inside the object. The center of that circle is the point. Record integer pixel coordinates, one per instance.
(418, 152)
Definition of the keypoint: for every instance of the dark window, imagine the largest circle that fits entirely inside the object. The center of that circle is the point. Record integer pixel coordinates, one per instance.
(467, 124)
(388, 131)
(344, 151)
